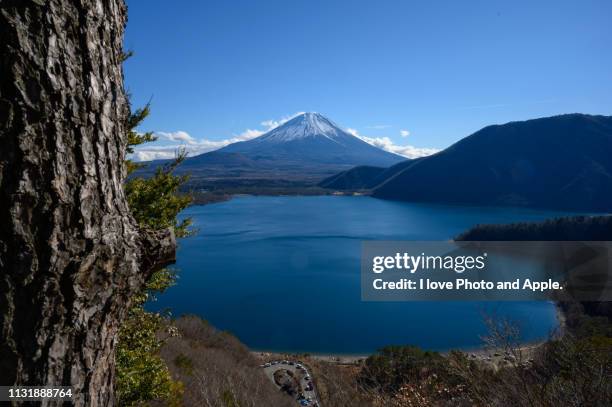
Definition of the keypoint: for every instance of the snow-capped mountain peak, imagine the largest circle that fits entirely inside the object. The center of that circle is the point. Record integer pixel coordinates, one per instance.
(312, 139)
(303, 126)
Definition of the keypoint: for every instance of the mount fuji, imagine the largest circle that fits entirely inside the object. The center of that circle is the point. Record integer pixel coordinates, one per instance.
(312, 139)
(301, 151)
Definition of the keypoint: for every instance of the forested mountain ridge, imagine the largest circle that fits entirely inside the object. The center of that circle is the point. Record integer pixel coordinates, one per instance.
(560, 162)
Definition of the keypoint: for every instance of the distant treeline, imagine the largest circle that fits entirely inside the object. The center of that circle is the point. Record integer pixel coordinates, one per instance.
(224, 194)
(585, 228)
(593, 228)
(572, 369)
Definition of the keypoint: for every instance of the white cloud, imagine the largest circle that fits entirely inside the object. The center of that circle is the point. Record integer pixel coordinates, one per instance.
(272, 124)
(170, 142)
(387, 144)
(249, 134)
(157, 152)
(183, 140)
(352, 132)
(404, 133)
(148, 155)
(176, 136)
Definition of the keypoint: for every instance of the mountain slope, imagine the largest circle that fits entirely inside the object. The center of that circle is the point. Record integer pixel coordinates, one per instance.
(361, 177)
(312, 139)
(364, 177)
(562, 162)
(219, 159)
(297, 154)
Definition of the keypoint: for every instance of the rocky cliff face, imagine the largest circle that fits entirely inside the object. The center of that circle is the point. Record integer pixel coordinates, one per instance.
(71, 256)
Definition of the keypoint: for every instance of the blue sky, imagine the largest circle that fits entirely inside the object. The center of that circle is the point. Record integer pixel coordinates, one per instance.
(220, 71)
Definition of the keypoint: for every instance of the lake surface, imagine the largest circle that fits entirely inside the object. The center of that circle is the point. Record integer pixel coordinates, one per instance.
(282, 274)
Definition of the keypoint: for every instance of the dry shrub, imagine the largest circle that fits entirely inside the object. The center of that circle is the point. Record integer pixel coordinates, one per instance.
(216, 369)
(337, 384)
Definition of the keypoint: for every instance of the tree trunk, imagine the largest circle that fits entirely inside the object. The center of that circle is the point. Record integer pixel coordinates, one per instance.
(71, 255)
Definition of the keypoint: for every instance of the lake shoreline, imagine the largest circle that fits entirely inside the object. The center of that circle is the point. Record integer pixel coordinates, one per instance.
(345, 359)
(265, 258)
(201, 199)
(480, 353)
(493, 357)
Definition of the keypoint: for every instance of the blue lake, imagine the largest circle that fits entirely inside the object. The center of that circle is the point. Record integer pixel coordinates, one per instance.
(282, 274)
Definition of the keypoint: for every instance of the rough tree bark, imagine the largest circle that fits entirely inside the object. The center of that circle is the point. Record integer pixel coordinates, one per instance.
(71, 256)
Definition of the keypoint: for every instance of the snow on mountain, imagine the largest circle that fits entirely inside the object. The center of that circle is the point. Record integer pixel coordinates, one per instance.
(311, 138)
(304, 125)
